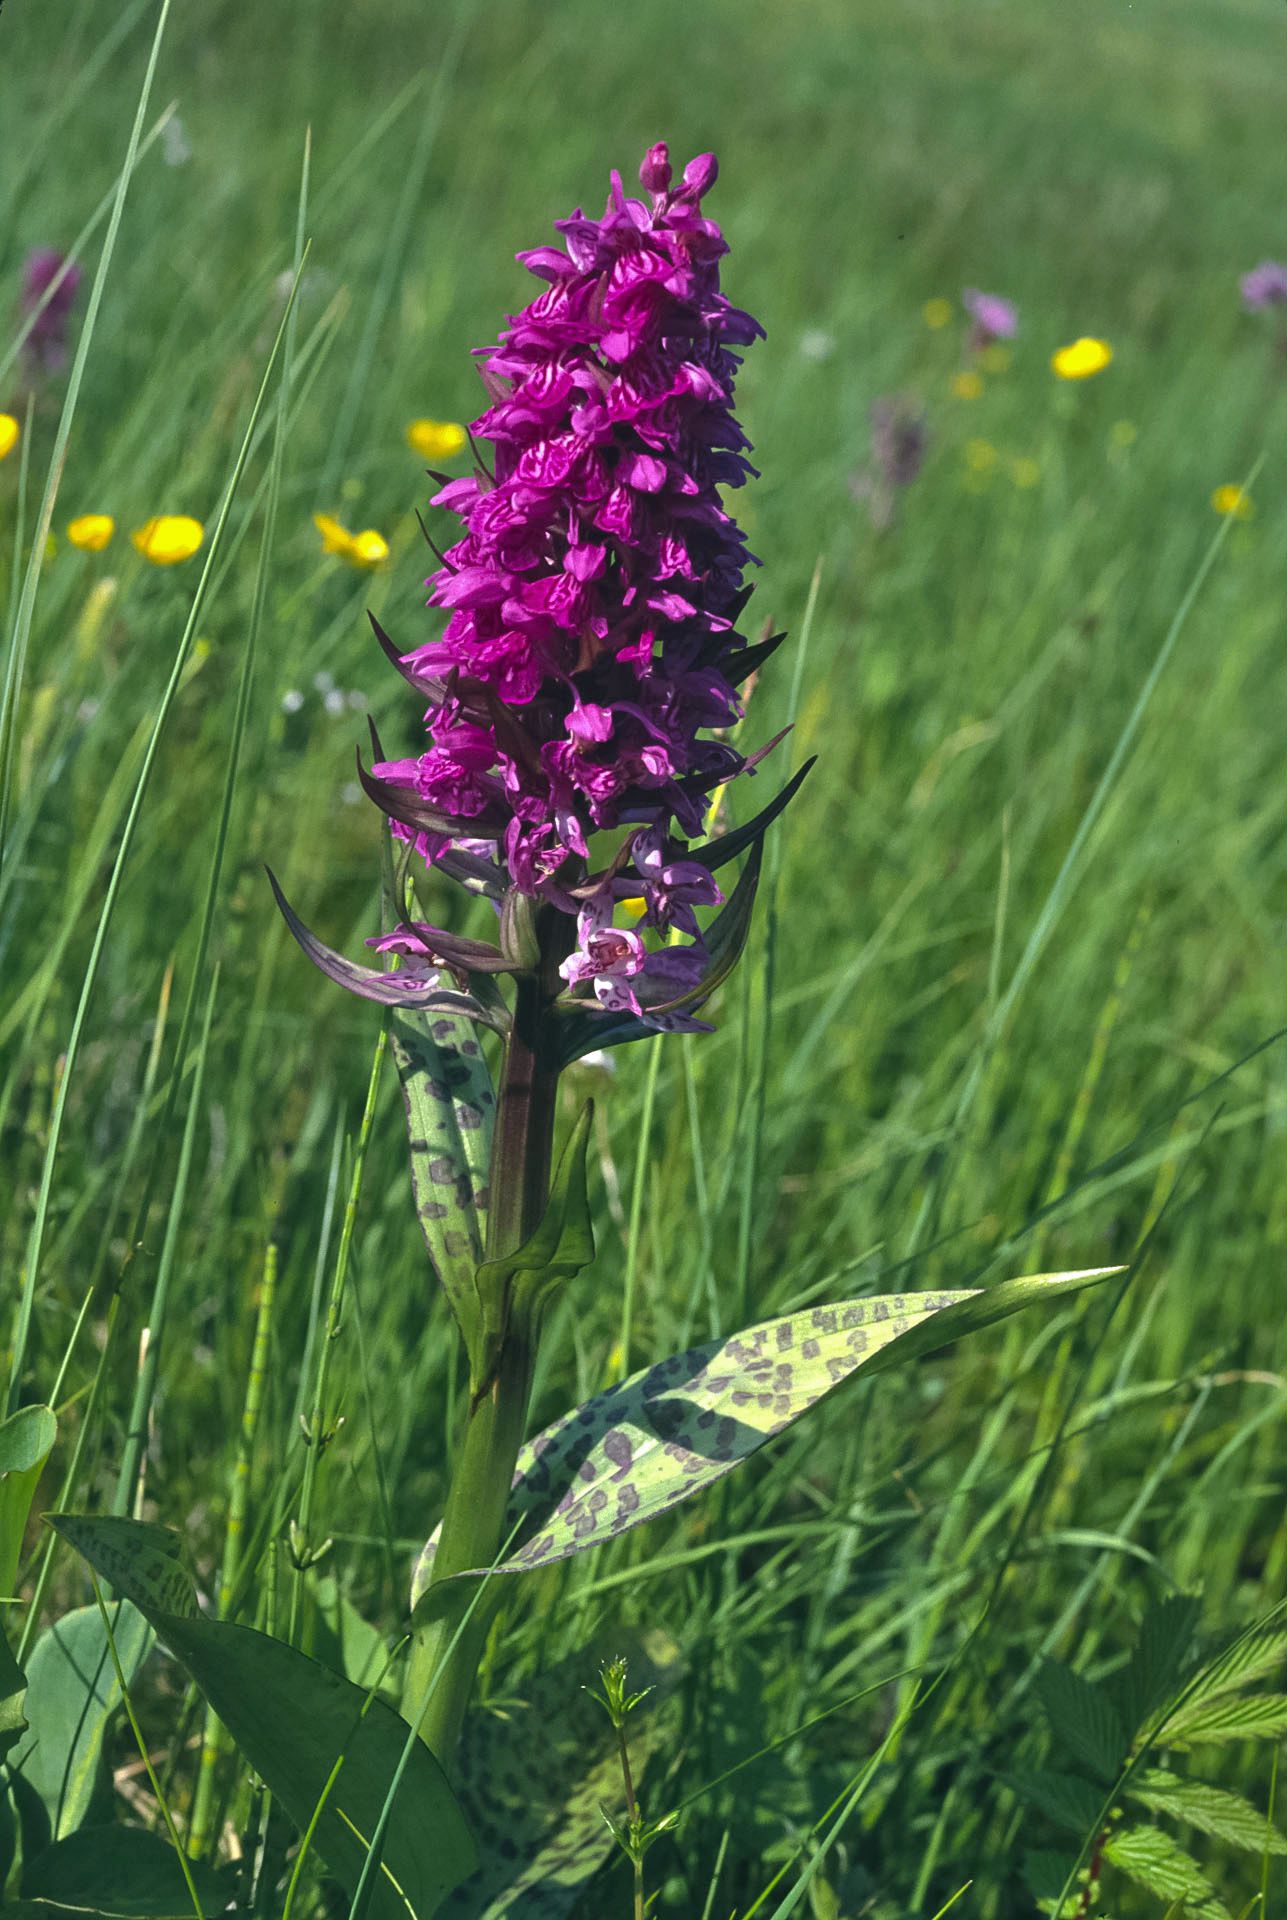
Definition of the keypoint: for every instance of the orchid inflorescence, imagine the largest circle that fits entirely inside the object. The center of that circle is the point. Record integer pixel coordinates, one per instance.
(589, 668)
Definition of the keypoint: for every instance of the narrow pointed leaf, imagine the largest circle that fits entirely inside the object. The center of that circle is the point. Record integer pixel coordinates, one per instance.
(403, 804)
(676, 1428)
(542, 1841)
(741, 665)
(716, 853)
(398, 989)
(450, 1104)
(424, 683)
(293, 1719)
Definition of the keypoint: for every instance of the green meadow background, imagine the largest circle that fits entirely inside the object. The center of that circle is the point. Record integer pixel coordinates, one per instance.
(1012, 998)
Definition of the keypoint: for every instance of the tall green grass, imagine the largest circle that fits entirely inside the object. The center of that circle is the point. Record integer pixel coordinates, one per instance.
(1026, 942)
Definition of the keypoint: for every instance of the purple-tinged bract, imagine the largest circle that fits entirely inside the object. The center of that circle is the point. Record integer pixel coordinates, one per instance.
(589, 655)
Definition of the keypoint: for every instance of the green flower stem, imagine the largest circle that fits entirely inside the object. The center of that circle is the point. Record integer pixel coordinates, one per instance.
(474, 1520)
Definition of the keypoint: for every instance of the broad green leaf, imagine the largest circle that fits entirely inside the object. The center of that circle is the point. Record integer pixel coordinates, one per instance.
(1046, 1871)
(1066, 1799)
(674, 1429)
(336, 1633)
(1083, 1719)
(294, 1719)
(26, 1442)
(1210, 1809)
(534, 1780)
(122, 1871)
(450, 1106)
(1254, 1716)
(1149, 1678)
(72, 1694)
(1158, 1863)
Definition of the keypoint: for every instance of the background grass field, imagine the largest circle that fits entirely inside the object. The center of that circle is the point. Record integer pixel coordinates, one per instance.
(950, 1055)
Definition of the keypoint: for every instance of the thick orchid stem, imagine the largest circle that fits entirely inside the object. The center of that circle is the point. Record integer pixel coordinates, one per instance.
(440, 1676)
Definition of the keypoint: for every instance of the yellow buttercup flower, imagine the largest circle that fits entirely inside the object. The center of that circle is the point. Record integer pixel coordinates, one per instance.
(435, 439)
(169, 538)
(937, 313)
(1233, 501)
(995, 358)
(967, 386)
(9, 431)
(980, 456)
(368, 549)
(91, 532)
(1081, 359)
(365, 549)
(1024, 471)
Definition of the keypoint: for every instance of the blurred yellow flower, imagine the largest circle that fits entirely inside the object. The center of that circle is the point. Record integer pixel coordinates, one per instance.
(168, 538)
(1124, 433)
(937, 313)
(995, 358)
(368, 549)
(51, 546)
(9, 431)
(435, 439)
(1081, 359)
(365, 549)
(980, 456)
(1235, 501)
(1024, 471)
(967, 386)
(91, 532)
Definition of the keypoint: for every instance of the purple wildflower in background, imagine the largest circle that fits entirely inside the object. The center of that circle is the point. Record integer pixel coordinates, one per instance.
(48, 273)
(1265, 286)
(591, 644)
(899, 440)
(993, 317)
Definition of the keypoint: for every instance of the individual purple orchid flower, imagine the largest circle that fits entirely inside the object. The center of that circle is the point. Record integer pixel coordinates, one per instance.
(993, 317)
(50, 282)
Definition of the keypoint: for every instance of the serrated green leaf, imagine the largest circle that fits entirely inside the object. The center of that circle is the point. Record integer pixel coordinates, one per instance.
(1046, 1871)
(1157, 1863)
(534, 1777)
(72, 1694)
(1210, 1809)
(1255, 1716)
(1252, 1657)
(26, 1442)
(122, 1871)
(1063, 1797)
(450, 1105)
(1150, 1676)
(1083, 1719)
(293, 1719)
(677, 1427)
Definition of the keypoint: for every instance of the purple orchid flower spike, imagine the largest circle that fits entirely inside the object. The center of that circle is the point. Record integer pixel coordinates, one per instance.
(586, 674)
(1265, 287)
(993, 317)
(50, 283)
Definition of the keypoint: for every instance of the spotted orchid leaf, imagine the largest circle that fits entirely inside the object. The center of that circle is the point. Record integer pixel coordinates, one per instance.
(400, 989)
(325, 1748)
(450, 1105)
(534, 1783)
(677, 1427)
